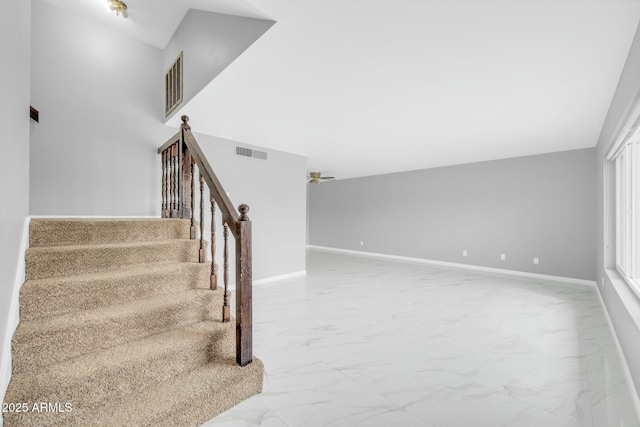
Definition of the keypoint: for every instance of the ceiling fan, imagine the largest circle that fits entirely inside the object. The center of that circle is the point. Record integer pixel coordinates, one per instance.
(317, 178)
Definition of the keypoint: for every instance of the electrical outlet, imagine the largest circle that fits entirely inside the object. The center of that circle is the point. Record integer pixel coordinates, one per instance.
(503, 257)
(464, 253)
(536, 261)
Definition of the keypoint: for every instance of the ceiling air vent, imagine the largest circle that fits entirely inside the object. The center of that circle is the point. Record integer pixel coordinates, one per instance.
(173, 86)
(249, 152)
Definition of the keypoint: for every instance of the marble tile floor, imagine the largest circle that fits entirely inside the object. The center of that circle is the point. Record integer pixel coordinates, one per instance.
(367, 342)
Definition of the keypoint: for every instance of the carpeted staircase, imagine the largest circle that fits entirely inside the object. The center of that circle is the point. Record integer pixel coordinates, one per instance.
(118, 327)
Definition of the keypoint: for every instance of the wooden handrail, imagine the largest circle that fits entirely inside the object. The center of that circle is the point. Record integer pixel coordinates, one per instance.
(181, 179)
(174, 139)
(229, 214)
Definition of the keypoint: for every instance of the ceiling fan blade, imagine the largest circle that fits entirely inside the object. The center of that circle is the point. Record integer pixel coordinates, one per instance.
(316, 178)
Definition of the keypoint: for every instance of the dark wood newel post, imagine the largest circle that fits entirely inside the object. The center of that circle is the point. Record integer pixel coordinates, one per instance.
(202, 255)
(185, 122)
(182, 157)
(244, 350)
(226, 309)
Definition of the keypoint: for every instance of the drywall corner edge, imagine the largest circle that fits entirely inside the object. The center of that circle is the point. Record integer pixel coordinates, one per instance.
(14, 312)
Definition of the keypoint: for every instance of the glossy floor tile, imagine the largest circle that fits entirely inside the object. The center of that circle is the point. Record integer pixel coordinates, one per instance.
(367, 342)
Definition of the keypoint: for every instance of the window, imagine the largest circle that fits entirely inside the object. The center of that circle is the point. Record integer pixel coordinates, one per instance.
(626, 162)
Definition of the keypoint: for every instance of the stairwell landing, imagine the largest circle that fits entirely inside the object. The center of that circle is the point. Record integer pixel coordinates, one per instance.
(119, 326)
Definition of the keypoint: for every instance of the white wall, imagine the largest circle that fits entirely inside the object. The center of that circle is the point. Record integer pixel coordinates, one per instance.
(621, 304)
(275, 190)
(94, 152)
(14, 162)
(100, 99)
(210, 42)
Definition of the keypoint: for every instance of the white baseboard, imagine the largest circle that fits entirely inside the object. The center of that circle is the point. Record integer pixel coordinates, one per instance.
(280, 277)
(94, 216)
(14, 314)
(272, 279)
(633, 393)
(456, 265)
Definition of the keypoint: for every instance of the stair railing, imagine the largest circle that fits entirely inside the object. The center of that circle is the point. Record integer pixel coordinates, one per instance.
(180, 156)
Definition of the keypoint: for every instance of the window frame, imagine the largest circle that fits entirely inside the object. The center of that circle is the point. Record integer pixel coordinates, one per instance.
(626, 167)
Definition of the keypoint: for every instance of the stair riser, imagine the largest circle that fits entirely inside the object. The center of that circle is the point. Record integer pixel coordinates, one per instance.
(73, 260)
(58, 232)
(110, 383)
(55, 297)
(48, 346)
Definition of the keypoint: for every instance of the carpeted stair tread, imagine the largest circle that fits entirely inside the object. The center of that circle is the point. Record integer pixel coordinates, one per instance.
(85, 231)
(186, 400)
(45, 341)
(56, 261)
(55, 296)
(117, 319)
(118, 371)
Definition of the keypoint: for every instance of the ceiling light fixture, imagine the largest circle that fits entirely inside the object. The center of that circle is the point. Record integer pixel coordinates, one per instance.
(317, 178)
(117, 7)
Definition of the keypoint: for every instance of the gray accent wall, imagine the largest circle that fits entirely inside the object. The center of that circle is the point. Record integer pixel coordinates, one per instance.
(209, 42)
(530, 207)
(15, 47)
(100, 98)
(622, 305)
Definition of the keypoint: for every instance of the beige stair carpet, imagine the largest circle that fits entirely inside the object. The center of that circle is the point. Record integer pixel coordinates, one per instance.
(118, 327)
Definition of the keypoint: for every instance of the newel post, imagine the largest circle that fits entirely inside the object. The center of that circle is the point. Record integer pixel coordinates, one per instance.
(185, 122)
(244, 344)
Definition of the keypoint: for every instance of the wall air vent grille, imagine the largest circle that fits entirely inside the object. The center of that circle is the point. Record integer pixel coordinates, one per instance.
(173, 86)
(241, 151)
(248, 152)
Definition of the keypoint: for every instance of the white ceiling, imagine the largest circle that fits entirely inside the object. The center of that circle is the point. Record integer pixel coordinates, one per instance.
(364, 87)
(154, 21)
